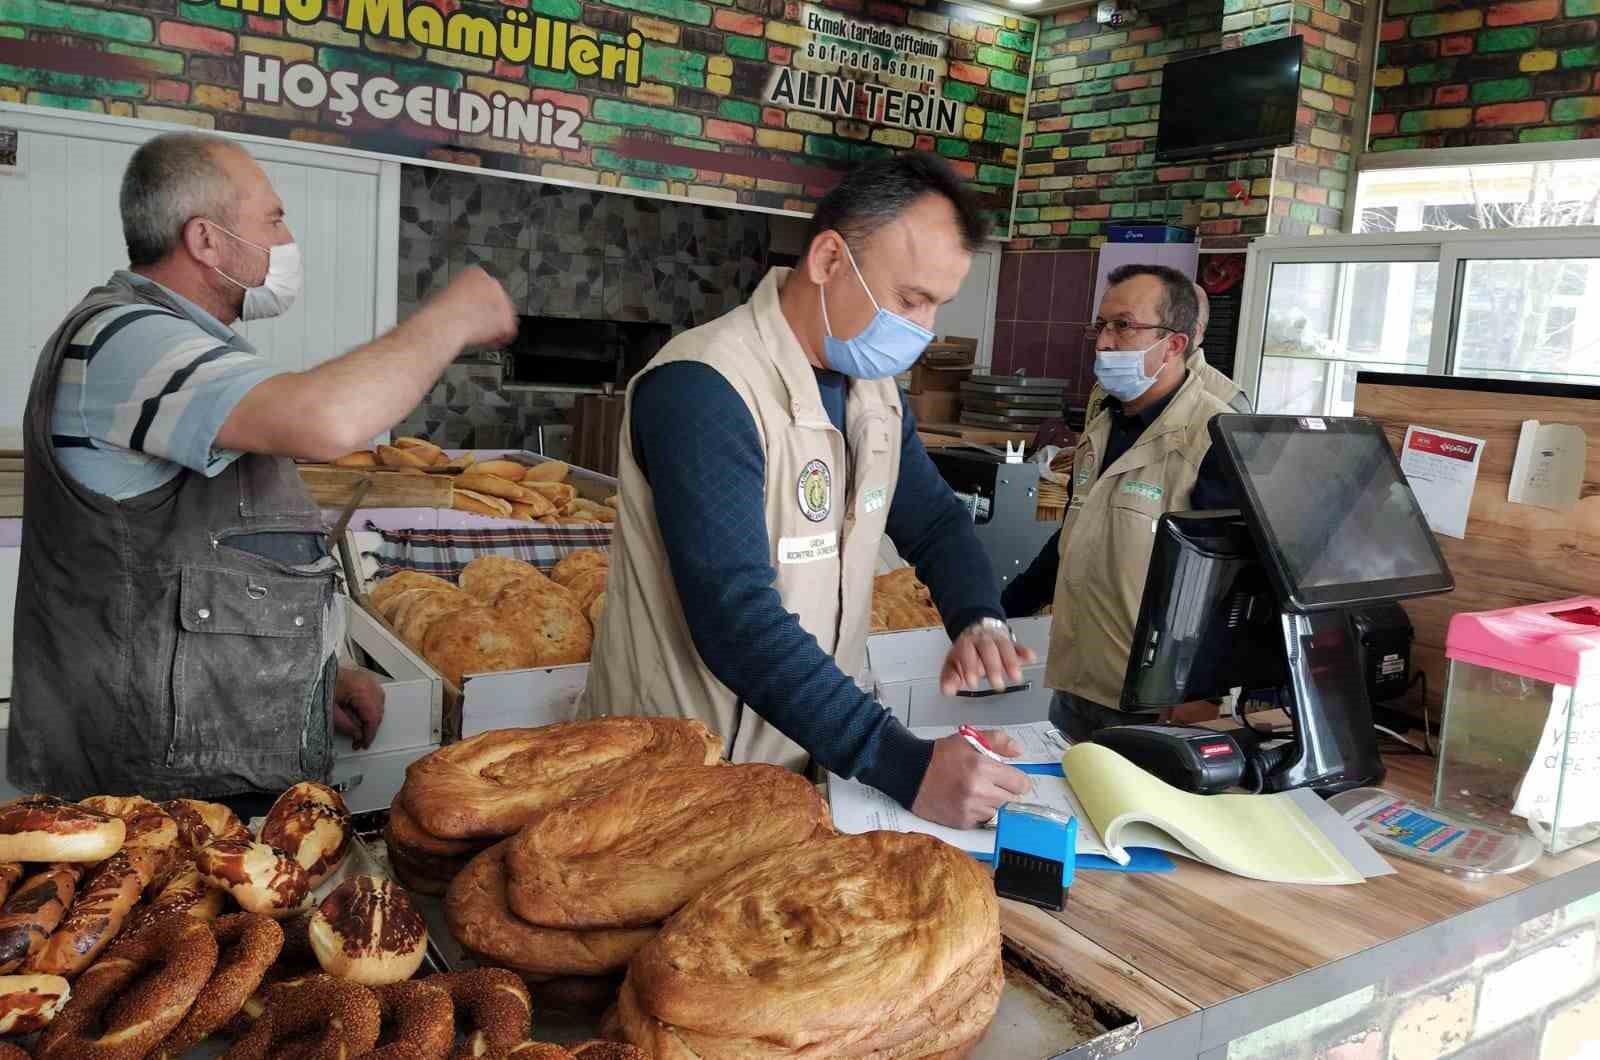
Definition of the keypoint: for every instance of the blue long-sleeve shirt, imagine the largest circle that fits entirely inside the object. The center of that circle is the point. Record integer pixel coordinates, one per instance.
(697, 445)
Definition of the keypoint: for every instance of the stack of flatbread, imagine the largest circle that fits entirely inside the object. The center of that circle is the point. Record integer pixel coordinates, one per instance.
(505, 615)
(881, 945)
(582, 886)
(900, 601)
(502, 489)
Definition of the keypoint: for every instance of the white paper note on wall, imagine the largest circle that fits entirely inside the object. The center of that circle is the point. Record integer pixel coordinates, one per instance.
(1442, 469)
(1548, 470)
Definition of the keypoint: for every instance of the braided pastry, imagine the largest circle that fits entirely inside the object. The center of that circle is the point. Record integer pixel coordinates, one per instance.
(252, 943)
(201, 823)
(144, 1005)
(32, 913)
(96, 916)
(183, 891)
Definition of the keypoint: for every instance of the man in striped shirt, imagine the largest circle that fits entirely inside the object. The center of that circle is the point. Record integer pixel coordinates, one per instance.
(175, 633)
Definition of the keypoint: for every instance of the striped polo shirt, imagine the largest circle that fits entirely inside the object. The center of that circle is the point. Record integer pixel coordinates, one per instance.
(144, 391)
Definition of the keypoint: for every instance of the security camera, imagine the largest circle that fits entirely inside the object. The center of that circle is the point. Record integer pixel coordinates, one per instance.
(1115, 13)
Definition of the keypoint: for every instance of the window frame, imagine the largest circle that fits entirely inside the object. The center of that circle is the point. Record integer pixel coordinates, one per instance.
(1450, 250)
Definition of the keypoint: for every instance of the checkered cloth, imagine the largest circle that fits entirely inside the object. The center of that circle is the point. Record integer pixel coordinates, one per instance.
(445, 552)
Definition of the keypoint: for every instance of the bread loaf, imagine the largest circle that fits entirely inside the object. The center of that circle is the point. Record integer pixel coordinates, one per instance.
(548, 471)
(480, 919)
(367, 931)
(310, 823)
(360, 458)
(509, 470)
(393, 456)
(635, 854)
(840, 947)
(491, 784)
(470, 501)
(474, 640)
(402, 581)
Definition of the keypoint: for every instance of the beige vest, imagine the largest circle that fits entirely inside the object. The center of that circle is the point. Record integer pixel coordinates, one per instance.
(827, 500)
(1108, 535)
(1217, 385)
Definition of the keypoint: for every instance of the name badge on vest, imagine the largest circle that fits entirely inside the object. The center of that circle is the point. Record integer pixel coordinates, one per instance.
(874, 500)
(808, 549)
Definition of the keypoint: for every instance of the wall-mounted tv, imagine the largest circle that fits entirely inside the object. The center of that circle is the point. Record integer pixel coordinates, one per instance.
(1238, 100)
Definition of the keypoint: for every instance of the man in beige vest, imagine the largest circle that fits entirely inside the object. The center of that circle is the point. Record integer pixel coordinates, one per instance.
(1217, 384)
(763, 458)
(1148, 451)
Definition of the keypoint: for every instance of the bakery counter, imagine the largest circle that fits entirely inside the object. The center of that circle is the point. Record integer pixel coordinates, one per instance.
(1216, 966)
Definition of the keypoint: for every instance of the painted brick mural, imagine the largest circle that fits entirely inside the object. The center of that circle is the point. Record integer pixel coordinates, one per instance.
(1457, 74)
(752, 102)
(1089, 144)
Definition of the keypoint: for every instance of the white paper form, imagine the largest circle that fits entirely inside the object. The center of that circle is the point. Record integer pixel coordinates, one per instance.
(1568, 760)
(1442, 469)
(858, 808)
(1549, 466)
(1042, 743)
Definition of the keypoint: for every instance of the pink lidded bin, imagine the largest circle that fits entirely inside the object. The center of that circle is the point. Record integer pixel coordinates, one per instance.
(1520, 739)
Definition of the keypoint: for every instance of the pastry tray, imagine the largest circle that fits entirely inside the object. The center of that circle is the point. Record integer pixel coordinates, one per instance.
(1044, 1013)
(367, 858)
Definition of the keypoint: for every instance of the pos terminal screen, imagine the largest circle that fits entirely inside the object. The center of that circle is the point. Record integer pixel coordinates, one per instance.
(1335, 521)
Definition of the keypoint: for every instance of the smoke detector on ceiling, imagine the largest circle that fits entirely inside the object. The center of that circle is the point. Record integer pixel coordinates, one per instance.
(1115, 12)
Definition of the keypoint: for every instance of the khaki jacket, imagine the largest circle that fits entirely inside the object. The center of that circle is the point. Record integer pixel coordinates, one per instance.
(1216, 384)
(1109, 533)
(827, 501)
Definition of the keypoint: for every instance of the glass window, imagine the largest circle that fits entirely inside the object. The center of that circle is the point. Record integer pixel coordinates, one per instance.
(1328, 320)
(1559, 194)
(1529, 319)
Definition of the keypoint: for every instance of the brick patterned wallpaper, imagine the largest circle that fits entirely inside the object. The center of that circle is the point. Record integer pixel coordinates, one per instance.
(1089, 143)
(1470, 73)
(703, 121)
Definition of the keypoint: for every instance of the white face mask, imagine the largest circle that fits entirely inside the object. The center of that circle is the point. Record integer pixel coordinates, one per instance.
(285, 277)
(1122, 372)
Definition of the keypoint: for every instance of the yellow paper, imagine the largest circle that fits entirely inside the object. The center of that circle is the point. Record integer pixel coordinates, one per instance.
(1264, 837)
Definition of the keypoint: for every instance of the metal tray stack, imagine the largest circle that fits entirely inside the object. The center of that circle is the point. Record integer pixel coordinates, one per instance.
(1011, 402)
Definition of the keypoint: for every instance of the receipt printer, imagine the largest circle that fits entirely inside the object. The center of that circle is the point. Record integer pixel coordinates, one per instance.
(1200, 760)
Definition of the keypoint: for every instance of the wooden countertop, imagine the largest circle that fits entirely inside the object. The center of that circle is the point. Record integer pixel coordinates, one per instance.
(1164, 946)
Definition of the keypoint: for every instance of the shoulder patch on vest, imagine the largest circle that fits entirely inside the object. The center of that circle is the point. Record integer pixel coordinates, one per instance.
(815, 491)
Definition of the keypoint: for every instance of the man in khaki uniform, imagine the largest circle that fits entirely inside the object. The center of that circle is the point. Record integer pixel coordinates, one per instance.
(1217, 384)
(764, 456)
(1148, 451)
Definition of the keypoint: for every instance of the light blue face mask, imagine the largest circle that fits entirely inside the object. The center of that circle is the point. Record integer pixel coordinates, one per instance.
(1122, 372)
(888, 345)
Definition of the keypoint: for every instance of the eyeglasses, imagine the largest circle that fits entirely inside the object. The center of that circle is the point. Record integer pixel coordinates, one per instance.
(1120, 327)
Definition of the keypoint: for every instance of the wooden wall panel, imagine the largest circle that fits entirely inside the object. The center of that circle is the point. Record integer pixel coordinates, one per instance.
(1513, 553)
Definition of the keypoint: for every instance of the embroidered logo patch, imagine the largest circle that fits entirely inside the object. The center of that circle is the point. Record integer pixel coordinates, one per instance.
(874, 500)
(1148, 490)
(816, 491)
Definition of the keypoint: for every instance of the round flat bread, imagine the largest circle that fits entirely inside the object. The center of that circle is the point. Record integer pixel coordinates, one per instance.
(576, 563)
(419, 616)
(399, 583)
(478, 574)
(511, 596)
(558, 632)
(597, 609)
(474, 640)
(589, 584)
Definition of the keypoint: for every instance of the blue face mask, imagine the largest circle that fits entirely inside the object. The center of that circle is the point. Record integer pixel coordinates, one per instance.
(1122, 372)
(888, 345)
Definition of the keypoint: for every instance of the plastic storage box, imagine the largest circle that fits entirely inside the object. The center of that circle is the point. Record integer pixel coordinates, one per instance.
(1520, 741)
